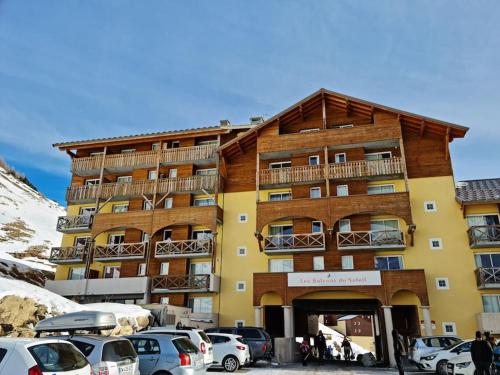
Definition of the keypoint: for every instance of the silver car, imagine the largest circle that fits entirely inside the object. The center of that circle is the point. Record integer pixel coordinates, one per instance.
(167, 354)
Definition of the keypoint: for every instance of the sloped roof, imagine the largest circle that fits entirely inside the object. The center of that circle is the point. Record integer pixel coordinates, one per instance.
(478, 191)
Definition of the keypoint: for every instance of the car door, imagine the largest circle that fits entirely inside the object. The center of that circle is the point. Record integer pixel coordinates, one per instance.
(149, 352)
(217, 350)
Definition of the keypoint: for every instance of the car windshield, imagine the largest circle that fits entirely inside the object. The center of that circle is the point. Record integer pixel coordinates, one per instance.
(204, 336)
(57, 356)
(454, 345)
(118, 351)
(184, 345)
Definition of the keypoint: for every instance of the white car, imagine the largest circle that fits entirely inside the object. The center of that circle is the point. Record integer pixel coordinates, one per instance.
(461, 365)
(197, 336)
(41, 357)
(438, 361)
(423, 346)
(230, 351)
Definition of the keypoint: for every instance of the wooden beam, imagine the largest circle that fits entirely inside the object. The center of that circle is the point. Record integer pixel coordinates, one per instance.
(348, 108)
(223, 168)
(257, 178)
(446, 144)
(323, 107)
(422, 128)
(70, 153)
(242, 151)
(301, 113)
(327, 180)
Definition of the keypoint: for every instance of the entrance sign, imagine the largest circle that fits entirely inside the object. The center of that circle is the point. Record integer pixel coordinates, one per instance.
(346, 278)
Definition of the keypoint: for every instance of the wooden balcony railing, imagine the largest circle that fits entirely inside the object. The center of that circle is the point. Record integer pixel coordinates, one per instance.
(181, 283)
(306, 173)
(366, 168)
(184, 249)
(484, 236)
(488, 277)
(68, 254)
(85, 166)
(121, 251)
(69, 224)
(294, 243)
(360, 240)
(140, 188)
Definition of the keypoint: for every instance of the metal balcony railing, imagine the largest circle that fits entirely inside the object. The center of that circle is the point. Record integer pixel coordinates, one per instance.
(291, 243)
(68, 254)
(68, 224)
(359, 240)
(488, 277)
(121, 251)
(484, 236)
(184, 248)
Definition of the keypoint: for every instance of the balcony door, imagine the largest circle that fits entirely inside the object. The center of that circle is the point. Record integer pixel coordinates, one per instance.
(87, 211)
(200, 268)
(112, 272)
(201, 234)
(491, 260)
(385, 231)
(116, 239)
(281, 235)
(487, 227)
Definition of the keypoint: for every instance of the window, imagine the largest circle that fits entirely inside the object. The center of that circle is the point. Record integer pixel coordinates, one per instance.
(116, 239)
(239, 323)
(242, 218)
(342, 126)
(347, 262)
(168, 202)
(201, 234)
(380, 189)
(145, 237)
(309, 130)
(317, 227)
(241, 251)
(172, 173)
(285, 196)
(442, 283)
(206, 172)
(175, 144)
(241, 286)
(344, 225)
(342, 190)
(280, 230)
(124, 179)
(314, 160)
(318, 263)
(281, 265)
(145, 346)
(165, 300)
(216, 339)
(128, 150)
(484, 228)
(112, 272)
(389, 262)
(491, 260)
(208, 142)
(280, 164)
(202, 268)
(315, 192)
(164, 267)
(430, 206)
(77, 273)
(340, 158)
(198, 202)
(141, 269)
(120, 208)
(200, 305)
(81, 241)
(152, 175)
(147, 205)
(92, 181)
(99, 153)
(491, 303)
(436, 243)
(385, 225)
(167, 234)
(482, 220)
(449, 328)
(378, 155)
(87, 211)
(155, 146)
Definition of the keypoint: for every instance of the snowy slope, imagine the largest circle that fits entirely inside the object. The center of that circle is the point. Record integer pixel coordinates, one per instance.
(27, 222)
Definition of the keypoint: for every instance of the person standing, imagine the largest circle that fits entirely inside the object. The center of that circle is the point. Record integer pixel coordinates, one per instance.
(346, 345)
(481, 354)
(305, 350)
(399, 350)
(320, 343)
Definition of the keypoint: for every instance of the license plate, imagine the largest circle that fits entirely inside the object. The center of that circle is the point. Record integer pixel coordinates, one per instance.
(125, 370)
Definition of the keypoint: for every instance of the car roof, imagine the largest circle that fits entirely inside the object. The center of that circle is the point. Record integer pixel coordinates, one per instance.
(152, 336)
(13, 341)
(91, 338)
(222, 334)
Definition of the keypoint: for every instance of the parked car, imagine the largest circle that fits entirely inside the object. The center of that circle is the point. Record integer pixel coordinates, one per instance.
(461, 365)
(438, 361)
(41, 357)
(161, 353)
(423, 346)
(257, 338)
(197, 336)
(230, 351)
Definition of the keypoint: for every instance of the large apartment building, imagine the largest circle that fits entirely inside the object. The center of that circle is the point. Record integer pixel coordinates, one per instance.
(334, 206)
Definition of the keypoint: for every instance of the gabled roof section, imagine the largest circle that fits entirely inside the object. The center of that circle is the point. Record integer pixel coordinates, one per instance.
(354, 105)
(478, 191)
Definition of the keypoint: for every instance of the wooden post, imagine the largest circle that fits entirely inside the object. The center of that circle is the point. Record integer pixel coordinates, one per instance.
(323, 107)
(155, 188)
(257, 178)
(327, 171)
(446, 144)
(403, 160)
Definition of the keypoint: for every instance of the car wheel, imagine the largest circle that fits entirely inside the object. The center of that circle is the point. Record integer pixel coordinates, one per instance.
(441, 367)
(230, 363)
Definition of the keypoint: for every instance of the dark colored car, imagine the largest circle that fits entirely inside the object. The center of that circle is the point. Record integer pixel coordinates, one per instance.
(496, 355)
(256, 338)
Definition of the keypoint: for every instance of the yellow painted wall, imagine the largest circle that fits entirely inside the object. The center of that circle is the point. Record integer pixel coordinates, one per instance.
(478, 209)
(399, 185)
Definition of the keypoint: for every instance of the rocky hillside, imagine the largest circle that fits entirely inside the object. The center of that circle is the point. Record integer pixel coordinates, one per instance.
(27, 228)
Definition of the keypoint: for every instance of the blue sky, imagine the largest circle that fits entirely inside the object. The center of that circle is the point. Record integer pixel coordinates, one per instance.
(73, 70)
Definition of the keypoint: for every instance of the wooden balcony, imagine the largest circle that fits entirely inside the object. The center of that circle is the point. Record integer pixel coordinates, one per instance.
(73, 224)
(184, 249)
(366, 169)
(371, 240)
(119, 163)
(123, 251)
(68, 254)
(292, 176)
(125, 190)
(294, 243)
(185, 283)
(488, 277)
(484, 236)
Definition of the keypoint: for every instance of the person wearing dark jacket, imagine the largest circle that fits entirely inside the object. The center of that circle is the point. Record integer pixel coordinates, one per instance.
(481, 354)
(320, 343)
(399, 350)
(346, 345)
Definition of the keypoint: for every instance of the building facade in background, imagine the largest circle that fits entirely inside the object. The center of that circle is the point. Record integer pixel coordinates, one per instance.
(334, 206)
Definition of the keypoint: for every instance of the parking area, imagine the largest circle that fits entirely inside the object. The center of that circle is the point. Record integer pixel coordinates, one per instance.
(298, 369)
